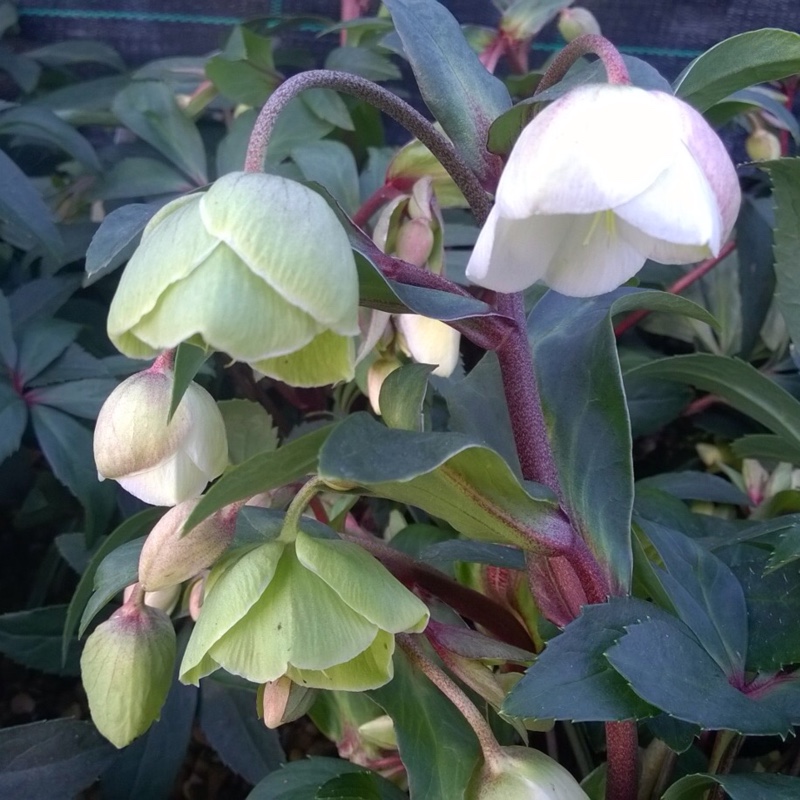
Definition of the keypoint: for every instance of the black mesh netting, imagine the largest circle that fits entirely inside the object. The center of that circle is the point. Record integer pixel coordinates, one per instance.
(667, 33)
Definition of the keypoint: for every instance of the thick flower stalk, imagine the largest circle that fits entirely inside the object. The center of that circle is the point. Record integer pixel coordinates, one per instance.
(257, 267)
(159, 461)
(321, 612)
(603, 179)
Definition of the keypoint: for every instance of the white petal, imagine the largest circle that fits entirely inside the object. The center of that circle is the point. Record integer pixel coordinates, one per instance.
(511, 255)
(661, 251)
(206, 443)
(168, 484)
(430, 341)
(679, 207)
(595, 148)
(594, 258)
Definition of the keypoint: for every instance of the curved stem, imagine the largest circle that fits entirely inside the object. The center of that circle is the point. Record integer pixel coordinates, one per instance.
(299, 503)
(491, 750)
(584, 45)
(385, 101)
(622, 745)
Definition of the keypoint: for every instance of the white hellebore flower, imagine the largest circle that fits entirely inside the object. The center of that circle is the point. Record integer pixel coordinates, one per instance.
(604, 178)
(162, 464)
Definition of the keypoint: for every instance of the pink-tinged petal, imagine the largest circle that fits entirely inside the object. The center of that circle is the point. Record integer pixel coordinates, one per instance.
(521, 251)
(711, 156)
(593, 258)
(679, 207)
(595, 148)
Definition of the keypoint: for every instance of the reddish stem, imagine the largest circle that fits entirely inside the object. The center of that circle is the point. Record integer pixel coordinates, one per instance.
(382, 195)
(790, 87)
(682, 283)
(622, 749)
(590, 43)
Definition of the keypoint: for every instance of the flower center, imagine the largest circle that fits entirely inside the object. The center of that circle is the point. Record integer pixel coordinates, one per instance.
(611, 225)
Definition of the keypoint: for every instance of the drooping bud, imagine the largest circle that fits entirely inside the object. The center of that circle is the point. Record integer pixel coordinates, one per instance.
(160, 462)
(126, 668)
(169, 557)
(378, 372)
(283, 701)
(430, 341)
(577, 21)
(163, 599)
(521, 773)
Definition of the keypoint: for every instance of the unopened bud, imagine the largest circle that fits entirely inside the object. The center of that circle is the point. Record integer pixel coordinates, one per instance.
(283, 701)
(763, 145)
(575, 22)
(415, 242)
(379, 732)
(170, 557)
(126, 668)
(522, 773)
(430, 341)
(378, 372)
(164, 599)
(755, 479)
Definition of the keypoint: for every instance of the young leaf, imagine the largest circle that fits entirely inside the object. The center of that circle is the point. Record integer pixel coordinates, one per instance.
(402, 396)
(249, 429)
(188, 360)
(753, 786)
(446, 474)
(462, 94)
(753, 57)
(577, 368)
(13, 419)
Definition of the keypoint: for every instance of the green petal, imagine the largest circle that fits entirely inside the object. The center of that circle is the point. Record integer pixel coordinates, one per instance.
(363, 583)
(230, 309)
(288, 235)
(300, 621)
(174, 244)
(232, 589)
(329, 358)
(368, 670)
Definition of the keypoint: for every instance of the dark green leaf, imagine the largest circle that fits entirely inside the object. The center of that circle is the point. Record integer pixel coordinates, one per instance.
(785, 176)
(403, 395)
(149, 109)
(741, 385)
(241, 81)
(692, 485)
(141, 177)
(83, 51)
(653, 404)
(677, 735)
(462, 94)
(438, 748)
(120, 568)
(577, 368)
(23, 212)
(705, 594)
(572, 679)
(135, 526)
(8, 347)
(74, 364)
(56, 759)
(332, 165)
(302, 780)
(329, 106)
(443, 554)
(297, 125)
(42, 342)
(359, 61)
(116, 238)
(230, 723)
(13, 419)
(40, 298)
(72, 548)
(446, 474)
(79, 398)
(41, 126)
(744, 60)
(261, 473)
(766, 446)
(468, 643)
(688, 684)
(67, 446)
(33, 638)
(737, 786)
(23, 71)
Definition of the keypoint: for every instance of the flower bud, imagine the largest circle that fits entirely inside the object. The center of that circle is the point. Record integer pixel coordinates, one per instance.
(169, 556)
(415, 242)
(763, 145)
(126, 668)
(430, 341)
(164, 599)
(283, 701)
(160, 462)
(577, 21)
(378, 372)
(521, 773)
(379, 732)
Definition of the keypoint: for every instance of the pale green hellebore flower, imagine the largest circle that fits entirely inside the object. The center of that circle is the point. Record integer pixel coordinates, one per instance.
(160, 463)
(604, 178)
(257, 267)
(321, 612)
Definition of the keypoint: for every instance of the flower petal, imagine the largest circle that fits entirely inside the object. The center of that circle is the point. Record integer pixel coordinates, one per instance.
(206, 443)
(171, 482)
(595, 148)
(363, 583)
(430, 341)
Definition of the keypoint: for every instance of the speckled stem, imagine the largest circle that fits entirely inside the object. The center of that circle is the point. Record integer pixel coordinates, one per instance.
(582, 46)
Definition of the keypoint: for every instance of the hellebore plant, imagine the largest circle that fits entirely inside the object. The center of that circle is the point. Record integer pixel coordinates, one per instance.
(531, 462)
